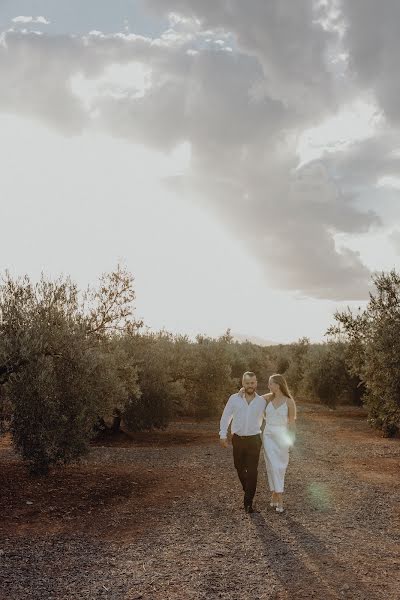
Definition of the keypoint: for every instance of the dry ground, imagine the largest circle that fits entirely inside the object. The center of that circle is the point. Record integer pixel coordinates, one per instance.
(159, 517)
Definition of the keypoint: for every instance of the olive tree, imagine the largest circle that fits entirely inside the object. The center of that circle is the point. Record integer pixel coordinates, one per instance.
(326, 377)
(58, 364)
(373, 337)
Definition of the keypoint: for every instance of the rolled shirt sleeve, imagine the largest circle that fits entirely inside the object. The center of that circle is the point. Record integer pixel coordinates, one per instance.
(226, 418)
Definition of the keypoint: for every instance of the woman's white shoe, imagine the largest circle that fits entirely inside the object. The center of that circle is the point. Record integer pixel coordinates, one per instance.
(279, 509)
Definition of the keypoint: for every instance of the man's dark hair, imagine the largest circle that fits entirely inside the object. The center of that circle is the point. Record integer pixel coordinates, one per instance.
(249, 374)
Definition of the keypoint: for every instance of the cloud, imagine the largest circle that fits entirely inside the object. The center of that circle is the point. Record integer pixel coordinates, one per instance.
(39, 20)
(394, 238)
(289, 222)
(373, 43)
(364, 163)
(289, 40)
(241, 112)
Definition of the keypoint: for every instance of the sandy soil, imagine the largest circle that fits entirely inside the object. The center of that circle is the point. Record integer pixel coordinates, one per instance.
(159, 517)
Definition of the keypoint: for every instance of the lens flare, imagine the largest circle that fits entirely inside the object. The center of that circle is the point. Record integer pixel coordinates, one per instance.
(285, 438)
(319, 495)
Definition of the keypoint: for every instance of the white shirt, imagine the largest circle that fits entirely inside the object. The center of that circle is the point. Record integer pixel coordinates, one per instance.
(246, 417)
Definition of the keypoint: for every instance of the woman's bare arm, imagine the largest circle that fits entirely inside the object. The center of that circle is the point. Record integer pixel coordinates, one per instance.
(292, 415)
(292, 411)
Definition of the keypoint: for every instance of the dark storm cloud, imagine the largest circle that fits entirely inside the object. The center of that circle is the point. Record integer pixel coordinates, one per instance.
(373, 42)
(240, 82)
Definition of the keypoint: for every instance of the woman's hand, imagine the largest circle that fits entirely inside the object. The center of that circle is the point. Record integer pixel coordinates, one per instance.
(241, 391)
(292, 434)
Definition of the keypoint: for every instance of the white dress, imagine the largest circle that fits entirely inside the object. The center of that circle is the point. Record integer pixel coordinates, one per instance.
(276, 442)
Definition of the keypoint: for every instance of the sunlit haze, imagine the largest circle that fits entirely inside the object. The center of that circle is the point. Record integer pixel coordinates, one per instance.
(245, 184)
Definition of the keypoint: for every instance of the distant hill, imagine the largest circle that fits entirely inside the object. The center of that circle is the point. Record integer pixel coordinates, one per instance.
(240, 337)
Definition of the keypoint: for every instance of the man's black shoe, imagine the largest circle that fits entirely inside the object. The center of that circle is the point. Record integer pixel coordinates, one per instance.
(248, 508)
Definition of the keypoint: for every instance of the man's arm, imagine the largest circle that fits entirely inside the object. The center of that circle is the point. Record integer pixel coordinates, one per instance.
(226, 418)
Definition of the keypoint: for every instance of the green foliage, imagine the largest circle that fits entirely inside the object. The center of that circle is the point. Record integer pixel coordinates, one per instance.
(152, 406)
(177, 377)
(58, 364)
(70, 360)
(247, 356)
(293, 363)
(211, 381)
(54, 409)
(325, 374)
(373, 338)
(5, 410)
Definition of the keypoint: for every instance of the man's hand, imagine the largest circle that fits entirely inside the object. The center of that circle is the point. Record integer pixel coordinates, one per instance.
(224, 442)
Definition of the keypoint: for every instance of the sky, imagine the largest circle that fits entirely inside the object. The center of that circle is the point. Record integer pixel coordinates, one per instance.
(240, 159)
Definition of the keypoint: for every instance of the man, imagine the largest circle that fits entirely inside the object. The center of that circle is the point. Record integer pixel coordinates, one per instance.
(246, 414)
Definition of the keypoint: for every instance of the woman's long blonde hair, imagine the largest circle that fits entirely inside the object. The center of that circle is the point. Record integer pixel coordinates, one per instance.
(281, 381)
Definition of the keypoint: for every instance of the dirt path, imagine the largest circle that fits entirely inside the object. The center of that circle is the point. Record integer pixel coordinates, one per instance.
(161, 518)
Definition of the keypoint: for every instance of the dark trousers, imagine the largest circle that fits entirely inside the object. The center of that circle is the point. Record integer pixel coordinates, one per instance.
(246, 453)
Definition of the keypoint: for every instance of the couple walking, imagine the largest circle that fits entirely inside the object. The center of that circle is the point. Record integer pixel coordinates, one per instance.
(247, 411)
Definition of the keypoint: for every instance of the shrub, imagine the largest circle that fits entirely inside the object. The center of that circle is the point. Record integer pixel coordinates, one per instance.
(57, 363)
(373, 337)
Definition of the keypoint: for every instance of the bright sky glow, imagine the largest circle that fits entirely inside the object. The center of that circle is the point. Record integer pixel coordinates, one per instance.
(181, 144)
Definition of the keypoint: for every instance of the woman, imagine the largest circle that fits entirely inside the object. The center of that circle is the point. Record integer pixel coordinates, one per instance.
(278, 436)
